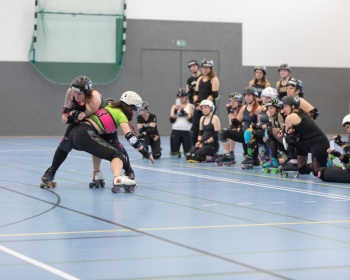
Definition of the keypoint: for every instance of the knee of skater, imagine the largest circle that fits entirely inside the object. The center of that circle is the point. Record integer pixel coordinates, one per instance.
(157, 156)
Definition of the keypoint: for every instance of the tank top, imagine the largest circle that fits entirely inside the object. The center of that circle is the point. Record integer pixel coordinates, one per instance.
(262, 117)
(282, 90)
(181, 122)
(209, 131)
(108, 119)
(248, 119)
(204, 90)
(82, 108)
(313, 133)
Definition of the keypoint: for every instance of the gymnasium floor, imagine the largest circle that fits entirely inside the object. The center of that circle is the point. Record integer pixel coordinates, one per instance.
(185, 221)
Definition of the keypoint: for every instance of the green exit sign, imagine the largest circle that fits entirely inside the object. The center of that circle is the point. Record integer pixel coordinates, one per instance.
(181, 43)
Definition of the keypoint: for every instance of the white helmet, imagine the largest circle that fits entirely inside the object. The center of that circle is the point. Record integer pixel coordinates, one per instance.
(131, 98)
(269, 92)
(346, 119)
(207, 102)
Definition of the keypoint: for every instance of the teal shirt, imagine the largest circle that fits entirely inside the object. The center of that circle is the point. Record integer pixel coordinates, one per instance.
(117, 115)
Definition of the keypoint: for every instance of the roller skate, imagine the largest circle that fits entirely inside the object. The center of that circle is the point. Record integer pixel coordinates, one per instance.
(175, 155)
(271, 166)
(289, 168)
(123, 182)
(263, 154)
(129, 173)
(249, 163)
(225, 159)
(47, 178)
(98, 180)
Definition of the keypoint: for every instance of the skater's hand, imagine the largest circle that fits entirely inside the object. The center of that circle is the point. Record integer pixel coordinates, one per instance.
(338, 141)
(64, 119)
(151, 159)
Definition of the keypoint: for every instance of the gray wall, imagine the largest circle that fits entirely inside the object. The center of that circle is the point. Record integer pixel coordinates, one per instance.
(156, 67)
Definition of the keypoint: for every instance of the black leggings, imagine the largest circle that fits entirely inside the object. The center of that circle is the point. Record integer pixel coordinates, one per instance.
(179, 137)
(84, 137)
(335, 174)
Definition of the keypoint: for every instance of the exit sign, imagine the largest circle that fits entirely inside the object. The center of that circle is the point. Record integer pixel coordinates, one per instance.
(181, 43)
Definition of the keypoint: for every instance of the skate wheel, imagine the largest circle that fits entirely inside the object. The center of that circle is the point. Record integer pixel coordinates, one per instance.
(116, 189)
(284, 174)
(229, 163)
(91, 185)
(275, 170)
(42, 185)
(102, 184)
(296, 174)
(53, 184)
(266, 170)
(220, 164)
(97, 184)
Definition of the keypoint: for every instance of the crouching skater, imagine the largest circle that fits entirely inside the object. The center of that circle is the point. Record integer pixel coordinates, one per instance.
(207, 142)
(86, 136)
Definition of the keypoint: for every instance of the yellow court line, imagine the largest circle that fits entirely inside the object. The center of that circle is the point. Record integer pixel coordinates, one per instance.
(172, 228)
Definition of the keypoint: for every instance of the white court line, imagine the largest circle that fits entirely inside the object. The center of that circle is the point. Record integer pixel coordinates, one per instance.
(39, 264)
(289, 189)
(202, 176)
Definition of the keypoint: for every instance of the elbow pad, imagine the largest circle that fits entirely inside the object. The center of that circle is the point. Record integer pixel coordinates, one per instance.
(133, 140)
(215, 94)
(314, 113)
(172, 120)
(216, 135)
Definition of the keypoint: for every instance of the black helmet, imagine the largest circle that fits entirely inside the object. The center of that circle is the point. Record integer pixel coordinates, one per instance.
(251, 90)
(192, 62)
(181, 92)
(298, 84)
(82, 83)
(291, 100)
(285, 66)
(144, 105)
(207, 63)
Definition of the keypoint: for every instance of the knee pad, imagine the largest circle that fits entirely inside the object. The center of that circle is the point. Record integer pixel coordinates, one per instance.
(198, 157)
(223, 136)
(157, 156)
(248, 135)
(65, 145)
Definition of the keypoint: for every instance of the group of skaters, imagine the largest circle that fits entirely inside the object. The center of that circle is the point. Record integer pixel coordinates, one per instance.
(276, 127)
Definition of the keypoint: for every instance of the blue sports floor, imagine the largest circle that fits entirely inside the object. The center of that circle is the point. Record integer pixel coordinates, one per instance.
(185, 220)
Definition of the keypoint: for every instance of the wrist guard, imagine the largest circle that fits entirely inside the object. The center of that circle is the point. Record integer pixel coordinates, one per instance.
(145, 153)
(133, 140)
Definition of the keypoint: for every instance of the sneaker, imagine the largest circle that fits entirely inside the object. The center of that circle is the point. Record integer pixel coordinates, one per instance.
(123, 180)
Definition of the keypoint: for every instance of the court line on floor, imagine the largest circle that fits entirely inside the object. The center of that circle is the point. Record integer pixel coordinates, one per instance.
(169, 241)
(38, 263)
(288, 189)
(173, 228)
(279, 178)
